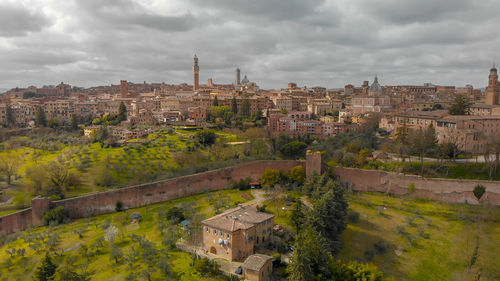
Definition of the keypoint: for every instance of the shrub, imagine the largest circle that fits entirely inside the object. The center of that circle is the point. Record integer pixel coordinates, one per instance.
(119, 206)
(175, 215)
(381, 247)
(58, 214)
(352, 216)
(479, 191)
(206, 267)
(298, 174)
(411, 188)
(369, 255)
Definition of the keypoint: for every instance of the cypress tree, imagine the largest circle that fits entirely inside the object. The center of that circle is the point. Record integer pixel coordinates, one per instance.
(40, 119)
(215, 102)
(11, 121)
(234, 107)
(46, 270)
(122, 112)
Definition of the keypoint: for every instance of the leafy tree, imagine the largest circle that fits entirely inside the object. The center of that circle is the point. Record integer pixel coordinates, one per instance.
(46, 271)
(116, 253)
(329, 216)
(479, 191)
(270, 177)
(9, 166)
(298, 216)
(58, 214)
(175, 215)
(245, 108)
(53, 123)
(206, 267)
(437, 106)
(460, 106)
(215, 102)
(10, 117)
(40, 119)
(111, 234)
(294, 150)
(234, 106)
(310, 261)
(206, 137)
(28, 95)
(355, 271)
(298, 174)
(122, 112)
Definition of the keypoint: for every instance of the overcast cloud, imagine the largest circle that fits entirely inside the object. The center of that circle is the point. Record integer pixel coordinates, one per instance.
(316, 42)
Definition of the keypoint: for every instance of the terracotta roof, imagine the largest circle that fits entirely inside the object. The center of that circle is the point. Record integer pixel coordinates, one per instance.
(256, 262)
(238, 218)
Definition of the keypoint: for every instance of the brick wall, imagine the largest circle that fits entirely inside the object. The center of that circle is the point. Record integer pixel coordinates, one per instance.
(140, 195)
(447, 190)
(452, 191)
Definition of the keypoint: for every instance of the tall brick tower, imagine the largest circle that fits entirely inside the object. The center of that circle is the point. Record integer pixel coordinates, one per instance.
(238, 80)
(493, 91)
(313, 162)
(196, 74)
(123, 88)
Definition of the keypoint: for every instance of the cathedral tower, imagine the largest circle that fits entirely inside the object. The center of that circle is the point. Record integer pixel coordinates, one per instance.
(238, 80)
(196, 74)
(493, 91)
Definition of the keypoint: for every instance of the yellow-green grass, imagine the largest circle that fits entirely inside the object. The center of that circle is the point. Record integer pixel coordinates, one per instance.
(102, 267)
(434, 240)
(156, 151)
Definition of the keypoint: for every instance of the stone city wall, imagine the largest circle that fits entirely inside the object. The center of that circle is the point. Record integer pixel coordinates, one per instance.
(140, 195)
(447, 190)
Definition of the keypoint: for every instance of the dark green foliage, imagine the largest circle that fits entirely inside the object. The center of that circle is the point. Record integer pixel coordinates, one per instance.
(242, 184)
(215, 102)
(122, 112)
(58, 214)
(352, 216)
(28, 95)
(298, 216)
(460, 106)
(10, 117)
(206, 267)
(294, 150)
(74, 122)
(355, 272)
(381, 247)
(40, 119)
(119, 206)
(369, 255)
(206, 137)
(46, 271)
(245, 108)
(175, 215)
(310, 261)
(329, 214)
(478, 191)
(116, 253)
(234, 106)
(437, 106)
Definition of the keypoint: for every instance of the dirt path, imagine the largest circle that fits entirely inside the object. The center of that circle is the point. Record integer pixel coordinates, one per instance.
(259, 197)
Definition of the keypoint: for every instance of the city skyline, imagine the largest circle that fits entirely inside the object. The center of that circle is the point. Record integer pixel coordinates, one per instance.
(317, 43)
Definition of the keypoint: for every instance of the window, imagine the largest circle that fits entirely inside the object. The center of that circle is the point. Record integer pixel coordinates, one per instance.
(207, 229)
(215, 232)
(221, 234)
(227, 236)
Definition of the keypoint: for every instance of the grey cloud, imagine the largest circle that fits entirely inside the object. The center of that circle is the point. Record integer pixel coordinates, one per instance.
(411, 11)
(18, 21)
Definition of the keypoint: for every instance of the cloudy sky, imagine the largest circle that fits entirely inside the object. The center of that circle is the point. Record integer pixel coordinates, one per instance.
(315, 42)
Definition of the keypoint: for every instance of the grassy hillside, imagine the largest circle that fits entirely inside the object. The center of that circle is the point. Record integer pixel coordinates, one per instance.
(77, 243)
(421, 240)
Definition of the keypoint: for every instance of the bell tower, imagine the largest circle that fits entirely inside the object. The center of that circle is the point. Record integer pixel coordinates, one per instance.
(492, 92)
(196, 74)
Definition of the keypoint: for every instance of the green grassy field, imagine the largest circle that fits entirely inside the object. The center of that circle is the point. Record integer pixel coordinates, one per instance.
(69, 243)
(426, 240)
(133, 163)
